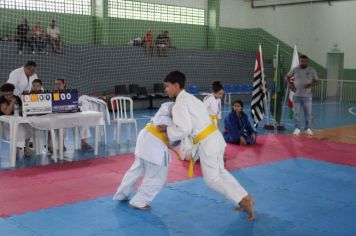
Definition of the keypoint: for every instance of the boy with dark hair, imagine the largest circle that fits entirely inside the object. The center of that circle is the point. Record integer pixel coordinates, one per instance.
(192, 120)
(37, 85)
(8, 100)
(8, 103)
(152, 157)
(212, 102)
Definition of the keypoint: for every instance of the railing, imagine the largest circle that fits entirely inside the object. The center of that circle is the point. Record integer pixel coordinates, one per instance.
(336, 90)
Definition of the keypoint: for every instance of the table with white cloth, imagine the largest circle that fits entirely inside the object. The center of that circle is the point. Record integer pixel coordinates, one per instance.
(52, 122)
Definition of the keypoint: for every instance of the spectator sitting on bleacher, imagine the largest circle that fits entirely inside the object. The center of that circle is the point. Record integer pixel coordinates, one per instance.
(38, 38)
(238, 129)
(54, 37)
(167, 39)
(148, 43)
(8, 102)
(161, 44)
(22, 37)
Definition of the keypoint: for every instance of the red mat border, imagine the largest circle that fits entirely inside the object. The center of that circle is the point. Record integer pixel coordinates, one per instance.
(35, 188)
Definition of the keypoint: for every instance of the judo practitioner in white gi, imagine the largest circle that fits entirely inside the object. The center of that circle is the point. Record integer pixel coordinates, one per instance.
(191, 119)
(212, 102)
(152, 157)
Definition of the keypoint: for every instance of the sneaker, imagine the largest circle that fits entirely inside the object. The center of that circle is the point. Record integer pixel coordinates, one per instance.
(309, 132)
(27, 152)
(86, 147)
(296, 132)
(50, 149)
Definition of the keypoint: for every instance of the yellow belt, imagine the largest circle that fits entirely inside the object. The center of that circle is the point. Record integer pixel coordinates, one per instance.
(205, 133)
(214, 118)
(161, 136)
(202, 135)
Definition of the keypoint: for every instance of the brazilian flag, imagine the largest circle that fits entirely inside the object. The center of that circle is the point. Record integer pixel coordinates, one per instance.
(277, 94)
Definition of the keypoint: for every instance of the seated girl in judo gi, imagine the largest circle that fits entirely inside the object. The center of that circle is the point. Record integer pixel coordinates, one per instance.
(238, 129)
(152, 157)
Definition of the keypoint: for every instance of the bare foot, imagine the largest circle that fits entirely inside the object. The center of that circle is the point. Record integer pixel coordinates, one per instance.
(144, 208)
(247, 204)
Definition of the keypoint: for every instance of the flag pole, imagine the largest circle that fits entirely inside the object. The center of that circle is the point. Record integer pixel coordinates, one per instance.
(275, 91)
(288, 86)
(265, 102)
(269, 126)
(268, 106)
(284, 102)
(258, 104)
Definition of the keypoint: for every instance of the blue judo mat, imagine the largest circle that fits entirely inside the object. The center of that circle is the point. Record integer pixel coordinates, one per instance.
(293, 197)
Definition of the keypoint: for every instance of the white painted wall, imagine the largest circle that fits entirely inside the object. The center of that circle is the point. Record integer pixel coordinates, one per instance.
(314, 27)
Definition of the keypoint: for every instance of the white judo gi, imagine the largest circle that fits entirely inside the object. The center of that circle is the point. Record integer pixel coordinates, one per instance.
(213, 105)
(152, 157)
(19, 79)
(190, 118)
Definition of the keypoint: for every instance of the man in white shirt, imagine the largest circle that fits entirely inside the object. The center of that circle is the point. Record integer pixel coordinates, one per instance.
(23, 77)
(54, 37)
(192, 120)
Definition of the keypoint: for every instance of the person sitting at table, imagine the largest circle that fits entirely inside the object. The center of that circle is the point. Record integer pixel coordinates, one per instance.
(8, 105)
(37, 85)
(238, 129)
(84, 131)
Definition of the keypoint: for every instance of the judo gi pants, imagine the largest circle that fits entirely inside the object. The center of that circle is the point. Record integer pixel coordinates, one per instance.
(154, 178)
(211, 153)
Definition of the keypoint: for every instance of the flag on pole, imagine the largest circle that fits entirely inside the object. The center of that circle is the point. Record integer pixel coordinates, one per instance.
(259, 90)
(277, 90)
(295, 63)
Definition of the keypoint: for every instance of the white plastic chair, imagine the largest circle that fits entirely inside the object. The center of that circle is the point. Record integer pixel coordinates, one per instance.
(88, 103)
(123, 114)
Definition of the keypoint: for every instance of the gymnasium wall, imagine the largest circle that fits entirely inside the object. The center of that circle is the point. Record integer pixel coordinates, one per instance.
(314, 27)
(96, 48)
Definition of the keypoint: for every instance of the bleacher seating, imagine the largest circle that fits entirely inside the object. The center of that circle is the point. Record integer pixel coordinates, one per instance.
(192, 89)
(158, 90)
(236, 90)
(120, 90)
(142, 93)
(133, 90)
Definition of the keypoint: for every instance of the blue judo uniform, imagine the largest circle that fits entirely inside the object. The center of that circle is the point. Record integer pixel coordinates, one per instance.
(235, 127)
